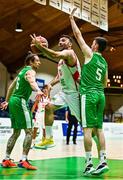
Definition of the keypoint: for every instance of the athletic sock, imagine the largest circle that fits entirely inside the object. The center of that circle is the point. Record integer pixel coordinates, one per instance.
(88, 158)
(24, 157)
(102, 156)
(49, 132)
(7, 156)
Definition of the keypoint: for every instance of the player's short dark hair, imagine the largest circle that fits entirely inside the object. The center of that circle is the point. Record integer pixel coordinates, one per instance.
(44, 86)
(30, 58)
(102, 42)
(67, 36)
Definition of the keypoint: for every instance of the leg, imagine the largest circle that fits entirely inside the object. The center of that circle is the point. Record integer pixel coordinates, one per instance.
(49, 119)
(102, 167)
(34, 134)
(95, 138)
(101, 138)
(69, 131)
(27, 143)
(44, 133)
(87, 139)
(88, 111)
(75, 123)
(88, 147)
(11, 142)
(10, 145)
(26, 147)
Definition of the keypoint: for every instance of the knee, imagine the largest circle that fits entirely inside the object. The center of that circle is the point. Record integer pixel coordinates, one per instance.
(29, 132)
(48, 107)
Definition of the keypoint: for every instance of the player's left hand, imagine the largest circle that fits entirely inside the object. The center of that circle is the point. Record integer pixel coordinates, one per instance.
(72, 12)
(36, 40)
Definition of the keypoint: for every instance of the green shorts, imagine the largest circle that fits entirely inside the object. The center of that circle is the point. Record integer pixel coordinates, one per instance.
(19, 113)
(92, 108)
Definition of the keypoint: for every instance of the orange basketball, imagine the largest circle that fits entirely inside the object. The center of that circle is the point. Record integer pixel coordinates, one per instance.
(43, 40)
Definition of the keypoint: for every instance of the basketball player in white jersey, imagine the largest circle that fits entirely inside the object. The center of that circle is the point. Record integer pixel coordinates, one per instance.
(39, 120)
(68, 76)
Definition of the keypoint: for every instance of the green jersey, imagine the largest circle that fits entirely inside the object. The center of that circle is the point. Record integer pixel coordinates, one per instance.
(23, 88)
(93, 74)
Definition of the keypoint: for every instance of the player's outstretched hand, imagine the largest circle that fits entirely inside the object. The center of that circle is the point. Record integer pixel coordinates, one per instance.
(72, 12)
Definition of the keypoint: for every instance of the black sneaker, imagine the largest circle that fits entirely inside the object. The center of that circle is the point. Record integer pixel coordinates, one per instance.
(88, 170)
(74, 142)
(101, 168)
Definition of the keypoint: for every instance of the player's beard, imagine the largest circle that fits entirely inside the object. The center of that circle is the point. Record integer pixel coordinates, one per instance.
(35, 68)
(61, 48)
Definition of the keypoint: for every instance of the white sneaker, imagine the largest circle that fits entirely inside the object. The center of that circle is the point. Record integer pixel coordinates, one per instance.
(88, 170)
(101, 168)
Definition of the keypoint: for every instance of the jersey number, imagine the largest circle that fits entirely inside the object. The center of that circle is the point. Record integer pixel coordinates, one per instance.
(98, 74)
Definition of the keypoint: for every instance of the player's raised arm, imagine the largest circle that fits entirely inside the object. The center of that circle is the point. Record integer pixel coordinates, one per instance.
(64, 54)
(84, 47)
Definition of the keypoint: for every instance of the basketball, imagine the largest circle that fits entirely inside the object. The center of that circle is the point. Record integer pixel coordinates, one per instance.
(41, 40)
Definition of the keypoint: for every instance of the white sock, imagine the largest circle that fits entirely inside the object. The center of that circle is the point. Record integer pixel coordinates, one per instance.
(24, 157)
(102, 156)
(88, 157)
(49, 131)
(7, 156)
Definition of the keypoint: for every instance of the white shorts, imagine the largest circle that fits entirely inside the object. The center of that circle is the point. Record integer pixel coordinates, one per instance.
(39, 121)
(70, 99)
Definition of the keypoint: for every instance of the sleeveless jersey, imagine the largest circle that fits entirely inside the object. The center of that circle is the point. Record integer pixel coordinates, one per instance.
(42, 104)
(93, 74)
(68, 76)
(23, 88)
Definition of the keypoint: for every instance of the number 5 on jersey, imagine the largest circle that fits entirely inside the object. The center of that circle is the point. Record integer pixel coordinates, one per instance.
(98, 74)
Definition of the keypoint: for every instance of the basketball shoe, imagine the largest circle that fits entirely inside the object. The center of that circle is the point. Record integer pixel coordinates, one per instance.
(25, 164)
(46, 143)
(8, 163)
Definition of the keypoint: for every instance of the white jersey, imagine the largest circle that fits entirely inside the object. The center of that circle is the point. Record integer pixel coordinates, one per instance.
(68, 76)
(70, 88)
(42, 104)
(40, 113)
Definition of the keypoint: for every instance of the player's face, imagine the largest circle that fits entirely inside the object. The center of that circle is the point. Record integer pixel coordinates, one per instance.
(64, 43)
(36, 64)
(45, 91)
(94, 46)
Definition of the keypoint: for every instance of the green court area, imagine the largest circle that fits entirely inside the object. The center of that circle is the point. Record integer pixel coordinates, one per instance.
(62, 168)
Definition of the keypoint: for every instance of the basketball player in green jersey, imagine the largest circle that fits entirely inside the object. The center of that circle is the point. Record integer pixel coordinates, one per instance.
(94, 76)
(17, 97)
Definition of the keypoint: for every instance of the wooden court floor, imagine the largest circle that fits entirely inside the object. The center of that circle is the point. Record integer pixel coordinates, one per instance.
(62, 168)
(63, 161)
